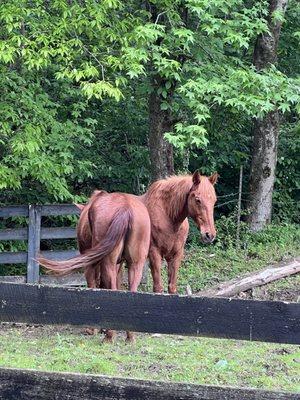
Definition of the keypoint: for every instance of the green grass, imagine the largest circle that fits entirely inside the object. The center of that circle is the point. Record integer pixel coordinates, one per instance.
(205, 266)
(169, 358)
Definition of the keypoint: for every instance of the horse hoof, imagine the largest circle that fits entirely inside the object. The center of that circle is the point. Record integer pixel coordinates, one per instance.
(91, 331)
(109, 340)
(130, 340)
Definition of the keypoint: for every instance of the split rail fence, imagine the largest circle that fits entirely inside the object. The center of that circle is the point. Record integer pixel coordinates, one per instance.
(33, 233)
(142, 312)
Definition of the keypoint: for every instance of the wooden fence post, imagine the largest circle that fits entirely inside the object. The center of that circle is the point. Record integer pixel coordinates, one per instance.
(239, 209)
(34, 238)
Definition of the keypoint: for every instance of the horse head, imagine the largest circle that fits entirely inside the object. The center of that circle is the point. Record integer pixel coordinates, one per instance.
(201, 201)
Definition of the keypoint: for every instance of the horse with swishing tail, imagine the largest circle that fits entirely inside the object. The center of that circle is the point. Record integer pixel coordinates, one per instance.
(113, 227)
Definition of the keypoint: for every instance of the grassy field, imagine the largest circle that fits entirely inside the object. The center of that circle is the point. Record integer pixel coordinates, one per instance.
(173, 358)
(206, 266)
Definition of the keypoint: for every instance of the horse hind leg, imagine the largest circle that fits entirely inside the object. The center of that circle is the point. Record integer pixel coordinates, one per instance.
(109, 273)
(92, 276)
(135, 273)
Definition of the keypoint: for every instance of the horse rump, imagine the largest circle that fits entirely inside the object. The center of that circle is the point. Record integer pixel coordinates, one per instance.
(118, 228)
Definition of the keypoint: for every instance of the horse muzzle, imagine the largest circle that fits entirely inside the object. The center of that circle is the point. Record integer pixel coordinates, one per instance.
(207, 237)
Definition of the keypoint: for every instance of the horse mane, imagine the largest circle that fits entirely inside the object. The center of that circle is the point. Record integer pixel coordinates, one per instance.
(172, 192)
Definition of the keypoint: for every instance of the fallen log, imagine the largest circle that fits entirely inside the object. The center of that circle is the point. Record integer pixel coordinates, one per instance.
(260, 278)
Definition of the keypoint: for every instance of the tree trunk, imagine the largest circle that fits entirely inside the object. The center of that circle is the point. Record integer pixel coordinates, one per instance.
(266, 129)
(161, 152)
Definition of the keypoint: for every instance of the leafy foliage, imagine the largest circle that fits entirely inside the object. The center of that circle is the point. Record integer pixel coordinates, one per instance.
(37, 143)
(75, 79)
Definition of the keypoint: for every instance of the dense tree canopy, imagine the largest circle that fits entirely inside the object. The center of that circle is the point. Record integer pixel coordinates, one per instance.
(77, 78)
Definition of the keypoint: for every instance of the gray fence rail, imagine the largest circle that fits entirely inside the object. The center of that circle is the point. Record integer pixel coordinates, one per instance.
(33, 234)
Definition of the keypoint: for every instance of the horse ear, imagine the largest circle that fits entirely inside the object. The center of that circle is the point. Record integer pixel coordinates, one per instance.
(213, 178)
(80, 206)
(196, 178)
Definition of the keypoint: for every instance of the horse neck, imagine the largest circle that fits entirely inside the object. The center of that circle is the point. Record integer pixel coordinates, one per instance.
(172, 196)
(177, 209)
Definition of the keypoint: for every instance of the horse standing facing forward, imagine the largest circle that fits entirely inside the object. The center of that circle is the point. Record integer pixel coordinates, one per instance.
(169, 202)
(114, 227)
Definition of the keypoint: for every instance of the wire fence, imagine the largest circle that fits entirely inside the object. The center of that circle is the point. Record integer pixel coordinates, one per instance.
(239, 197)
(247, 193)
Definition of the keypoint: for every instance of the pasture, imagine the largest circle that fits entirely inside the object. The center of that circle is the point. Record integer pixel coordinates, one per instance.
(165, 358)
(149, 202)
(177, 358)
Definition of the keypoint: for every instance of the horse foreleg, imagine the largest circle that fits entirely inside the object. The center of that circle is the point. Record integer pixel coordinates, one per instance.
(155, 266)
(173, 267)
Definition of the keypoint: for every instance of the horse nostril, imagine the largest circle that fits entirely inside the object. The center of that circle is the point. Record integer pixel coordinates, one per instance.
(207, 237)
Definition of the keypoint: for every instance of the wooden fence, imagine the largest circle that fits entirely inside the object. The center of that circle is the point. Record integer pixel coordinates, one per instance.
(186, 315)
(33, 234)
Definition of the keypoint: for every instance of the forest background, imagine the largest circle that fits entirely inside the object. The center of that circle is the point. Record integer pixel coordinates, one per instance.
(115, 94)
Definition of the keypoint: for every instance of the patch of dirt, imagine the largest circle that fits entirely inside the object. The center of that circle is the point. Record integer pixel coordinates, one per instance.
(36, 331)
(33, 331)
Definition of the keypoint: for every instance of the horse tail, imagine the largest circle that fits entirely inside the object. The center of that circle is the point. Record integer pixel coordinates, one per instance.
(120, 225)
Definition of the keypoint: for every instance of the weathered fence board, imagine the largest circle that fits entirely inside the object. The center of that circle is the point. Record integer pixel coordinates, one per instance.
(20, 257)
(18, 384)
(13, 211)
(60, 209)
(71, 280)
(34, 239)
(268, 321)
(59, 255)
(58, 233)
(14, 257)
(14, 234)
(46, 233)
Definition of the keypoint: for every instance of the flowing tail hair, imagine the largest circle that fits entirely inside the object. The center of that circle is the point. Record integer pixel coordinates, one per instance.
(120, 224)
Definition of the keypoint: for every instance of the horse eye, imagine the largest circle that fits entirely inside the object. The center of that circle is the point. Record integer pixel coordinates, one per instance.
(197, 200)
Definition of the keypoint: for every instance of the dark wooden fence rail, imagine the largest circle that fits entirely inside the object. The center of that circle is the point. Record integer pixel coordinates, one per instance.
(193, 316)
(34, 233)
(38, 385)
(269, 321)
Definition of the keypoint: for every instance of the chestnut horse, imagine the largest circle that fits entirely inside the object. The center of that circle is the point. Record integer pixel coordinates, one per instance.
(169, 202)
(113, 228)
